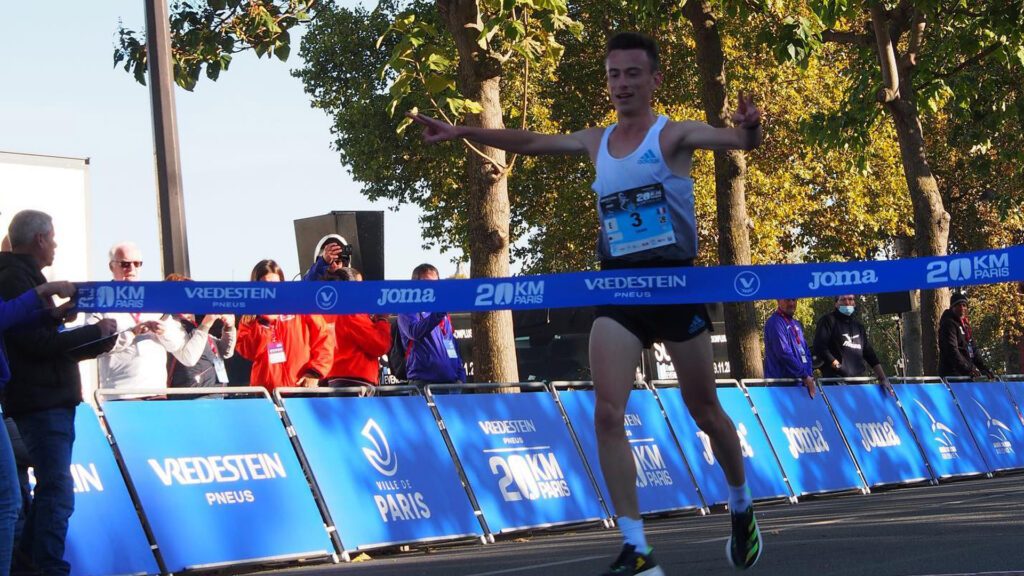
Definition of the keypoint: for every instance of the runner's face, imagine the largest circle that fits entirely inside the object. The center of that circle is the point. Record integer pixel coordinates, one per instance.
(631, 82)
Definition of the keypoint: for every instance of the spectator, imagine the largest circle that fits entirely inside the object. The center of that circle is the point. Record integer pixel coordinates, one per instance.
(332, 252)
(841, 344)
(29, 309)
(958, 356)
(361, 339)
(285, 350)
(432, 353)
(44, 390)
(786, 352)
(208, 351)
(138, 360)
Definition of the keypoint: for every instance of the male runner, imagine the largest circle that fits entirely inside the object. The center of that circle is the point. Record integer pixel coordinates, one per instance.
(647, 158)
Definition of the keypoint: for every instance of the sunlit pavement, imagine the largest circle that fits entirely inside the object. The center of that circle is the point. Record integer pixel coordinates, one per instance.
(960, 528)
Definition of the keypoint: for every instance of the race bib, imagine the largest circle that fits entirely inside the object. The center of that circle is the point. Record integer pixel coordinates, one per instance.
(636, 220)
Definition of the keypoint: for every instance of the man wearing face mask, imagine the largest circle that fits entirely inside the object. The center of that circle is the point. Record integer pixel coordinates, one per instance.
(842, 346)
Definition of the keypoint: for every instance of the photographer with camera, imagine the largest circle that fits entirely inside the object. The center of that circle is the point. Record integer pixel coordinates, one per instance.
(332, 252)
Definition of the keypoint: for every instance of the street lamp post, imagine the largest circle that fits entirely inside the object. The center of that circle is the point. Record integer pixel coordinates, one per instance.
(170, 199)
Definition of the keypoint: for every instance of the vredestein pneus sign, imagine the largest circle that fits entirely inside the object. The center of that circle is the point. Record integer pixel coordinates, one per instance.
(383, 469)
(520, 460)
(218, 480)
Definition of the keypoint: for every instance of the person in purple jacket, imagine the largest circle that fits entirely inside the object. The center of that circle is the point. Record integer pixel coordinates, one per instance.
(32, 306)
(431, 352)
(786, 351)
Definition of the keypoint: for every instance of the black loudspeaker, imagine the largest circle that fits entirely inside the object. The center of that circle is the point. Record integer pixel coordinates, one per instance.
(894, 302)
(364, 231)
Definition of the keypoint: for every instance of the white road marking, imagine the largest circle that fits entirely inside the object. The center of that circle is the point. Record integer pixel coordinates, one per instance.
(521, 569)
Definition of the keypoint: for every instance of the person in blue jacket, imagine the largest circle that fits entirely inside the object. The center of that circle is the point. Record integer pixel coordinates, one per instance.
(431, 352)
(786, 351)
(31, 307)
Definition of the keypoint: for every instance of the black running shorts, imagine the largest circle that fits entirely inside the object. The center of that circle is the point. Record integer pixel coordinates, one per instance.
(658, 323)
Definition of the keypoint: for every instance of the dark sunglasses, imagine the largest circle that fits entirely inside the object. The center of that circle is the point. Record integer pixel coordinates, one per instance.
(127, 264)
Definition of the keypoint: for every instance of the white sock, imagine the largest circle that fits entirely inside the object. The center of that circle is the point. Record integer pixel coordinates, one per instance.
(739, 498)
(633, 533)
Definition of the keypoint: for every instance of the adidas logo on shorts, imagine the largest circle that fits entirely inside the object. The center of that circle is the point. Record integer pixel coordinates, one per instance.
(696, 325)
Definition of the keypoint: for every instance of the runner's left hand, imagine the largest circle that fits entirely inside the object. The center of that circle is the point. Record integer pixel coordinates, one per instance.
(747, 114)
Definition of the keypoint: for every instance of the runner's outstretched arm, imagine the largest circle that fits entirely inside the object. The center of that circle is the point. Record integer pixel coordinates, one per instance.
(517, 141)
(747, 134)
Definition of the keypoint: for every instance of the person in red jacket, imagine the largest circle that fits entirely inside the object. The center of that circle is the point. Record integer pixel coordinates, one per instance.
(285, 350)
(361, 340)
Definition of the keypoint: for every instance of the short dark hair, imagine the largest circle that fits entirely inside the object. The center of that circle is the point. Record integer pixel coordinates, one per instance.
(342, 274)
(635, 41)
(421, 271)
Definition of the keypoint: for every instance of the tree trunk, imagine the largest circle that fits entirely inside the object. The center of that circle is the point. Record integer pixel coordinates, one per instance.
(479, 78)
(931, 222)
(741, 323)
(911, 321)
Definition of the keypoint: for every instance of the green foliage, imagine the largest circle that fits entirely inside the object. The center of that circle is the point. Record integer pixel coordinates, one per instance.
(205, 34)
(423, 60)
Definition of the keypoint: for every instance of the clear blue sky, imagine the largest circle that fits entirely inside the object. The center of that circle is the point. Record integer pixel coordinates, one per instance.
(254, 155)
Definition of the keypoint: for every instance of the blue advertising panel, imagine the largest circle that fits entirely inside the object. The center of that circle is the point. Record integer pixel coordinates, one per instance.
(994, 422)
(383, 469)
(520, 460)
(1016, 389)
(219, 481)
(105, 535)
(806, 440)
(877, 433)
(662, 480)
(941, 429)
(762, 469)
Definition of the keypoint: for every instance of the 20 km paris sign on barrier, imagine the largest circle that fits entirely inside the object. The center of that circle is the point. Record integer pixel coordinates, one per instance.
(520, 460)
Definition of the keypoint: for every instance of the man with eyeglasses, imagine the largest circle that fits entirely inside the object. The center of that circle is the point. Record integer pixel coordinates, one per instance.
(138, 360)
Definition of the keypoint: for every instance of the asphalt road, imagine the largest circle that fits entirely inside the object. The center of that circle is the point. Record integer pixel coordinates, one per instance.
(960, 528)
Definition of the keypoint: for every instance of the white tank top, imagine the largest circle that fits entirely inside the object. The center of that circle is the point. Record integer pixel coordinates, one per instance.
(642, 167)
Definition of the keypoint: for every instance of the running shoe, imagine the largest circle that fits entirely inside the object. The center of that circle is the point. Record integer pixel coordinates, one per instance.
(631, 562)
(744, 546)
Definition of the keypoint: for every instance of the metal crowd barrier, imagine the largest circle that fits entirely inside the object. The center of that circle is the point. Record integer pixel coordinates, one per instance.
(320, 474)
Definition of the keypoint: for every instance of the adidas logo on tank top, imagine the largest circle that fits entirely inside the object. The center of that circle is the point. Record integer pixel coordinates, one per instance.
(649, 157)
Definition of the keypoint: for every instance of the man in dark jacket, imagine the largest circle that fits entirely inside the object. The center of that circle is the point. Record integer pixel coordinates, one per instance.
(958, 356)
(841, 344)
(44, 390)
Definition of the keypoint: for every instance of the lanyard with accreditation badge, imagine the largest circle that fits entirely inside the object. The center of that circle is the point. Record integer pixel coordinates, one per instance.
(449, 344)
(796, 335)
(275, 349)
